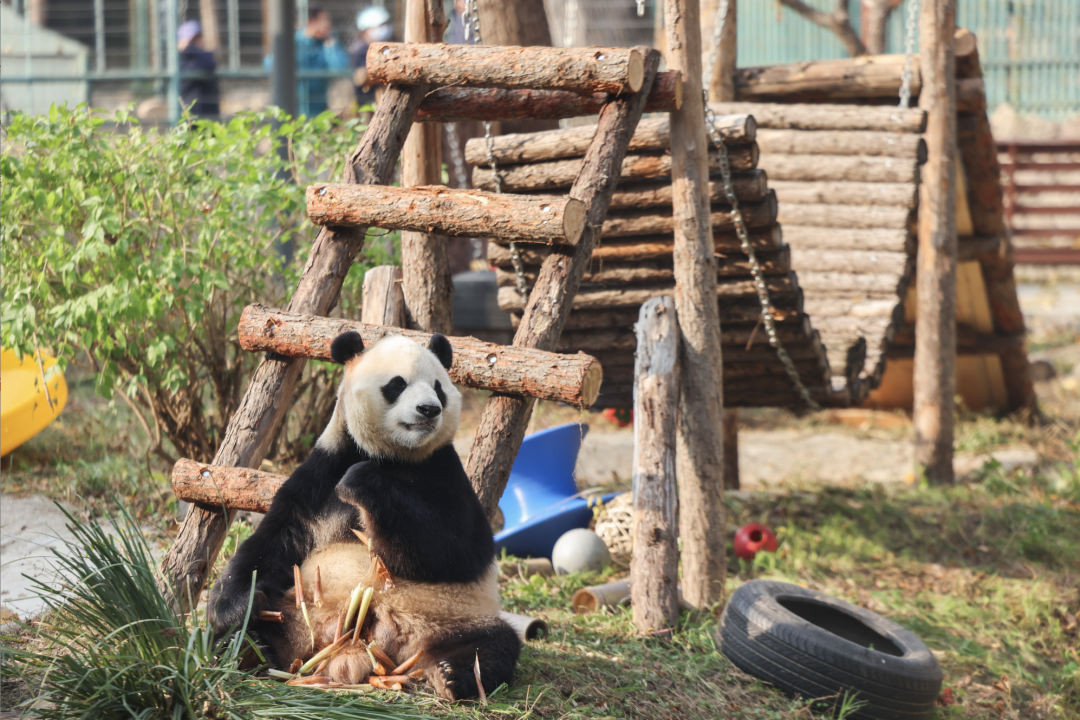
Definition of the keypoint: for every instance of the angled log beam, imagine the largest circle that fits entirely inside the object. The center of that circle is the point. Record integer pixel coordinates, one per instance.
(234, 488)
(573, 379)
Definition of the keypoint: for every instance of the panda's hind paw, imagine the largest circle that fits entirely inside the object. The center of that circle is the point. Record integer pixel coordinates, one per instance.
(454, 683)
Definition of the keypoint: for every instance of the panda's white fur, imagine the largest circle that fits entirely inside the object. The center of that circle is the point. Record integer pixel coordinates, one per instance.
(395, 430)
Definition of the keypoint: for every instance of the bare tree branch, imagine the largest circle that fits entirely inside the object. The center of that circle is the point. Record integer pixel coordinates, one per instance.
(838, 21)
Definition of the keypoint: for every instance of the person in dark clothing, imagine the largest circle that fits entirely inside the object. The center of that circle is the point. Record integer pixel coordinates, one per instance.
(373, 25)
(199, 94)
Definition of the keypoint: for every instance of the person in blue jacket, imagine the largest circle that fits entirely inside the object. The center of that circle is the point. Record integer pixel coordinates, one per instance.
(200, 94)
(316, 49)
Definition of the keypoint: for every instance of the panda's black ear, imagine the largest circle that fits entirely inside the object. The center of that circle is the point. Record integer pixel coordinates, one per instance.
(441, 347)
(346, 346)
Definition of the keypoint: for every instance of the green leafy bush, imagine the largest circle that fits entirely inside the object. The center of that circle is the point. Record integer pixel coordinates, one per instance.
(141, 248)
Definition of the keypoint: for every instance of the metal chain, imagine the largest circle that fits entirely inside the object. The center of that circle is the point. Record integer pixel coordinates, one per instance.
(472, 14)
(740, 227)
(909, 51)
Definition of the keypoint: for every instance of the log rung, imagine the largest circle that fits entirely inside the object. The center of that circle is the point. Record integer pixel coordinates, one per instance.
(573, 379)
(441, 210)
(235, 488)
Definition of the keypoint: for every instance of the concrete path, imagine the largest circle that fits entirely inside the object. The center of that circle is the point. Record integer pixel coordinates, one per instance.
(29, 527)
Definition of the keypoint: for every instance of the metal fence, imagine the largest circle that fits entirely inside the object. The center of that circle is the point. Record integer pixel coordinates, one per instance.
(1030, 49)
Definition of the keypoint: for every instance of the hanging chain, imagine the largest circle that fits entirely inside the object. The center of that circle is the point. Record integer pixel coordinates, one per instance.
(472, 14)
(909, 51)
(740, 227)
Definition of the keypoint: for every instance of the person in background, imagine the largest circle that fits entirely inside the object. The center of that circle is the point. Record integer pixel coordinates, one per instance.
(316, 49)
(372, 25)
(199, 94)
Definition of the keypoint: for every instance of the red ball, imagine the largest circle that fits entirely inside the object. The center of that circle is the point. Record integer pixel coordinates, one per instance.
(753, 537)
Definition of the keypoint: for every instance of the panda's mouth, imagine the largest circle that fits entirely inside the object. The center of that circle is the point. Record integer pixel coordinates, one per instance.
(421, 426)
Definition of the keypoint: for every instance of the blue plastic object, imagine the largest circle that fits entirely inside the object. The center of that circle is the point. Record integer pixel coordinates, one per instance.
(540, 502)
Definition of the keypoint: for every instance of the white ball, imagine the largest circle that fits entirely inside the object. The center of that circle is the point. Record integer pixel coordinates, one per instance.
(580, 550)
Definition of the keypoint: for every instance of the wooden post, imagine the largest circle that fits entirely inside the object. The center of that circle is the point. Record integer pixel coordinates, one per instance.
(654, 567)
(935, 327)
(701, 404)
(382, 297)
(425, 258)
(261, 412)
(502, 426)
(731, 448)
(722, 85)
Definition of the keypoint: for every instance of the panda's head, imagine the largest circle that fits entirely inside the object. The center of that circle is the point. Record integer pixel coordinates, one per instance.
(396, 396)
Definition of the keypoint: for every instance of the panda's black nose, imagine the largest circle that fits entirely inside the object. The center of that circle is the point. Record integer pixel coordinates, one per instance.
(428, 411)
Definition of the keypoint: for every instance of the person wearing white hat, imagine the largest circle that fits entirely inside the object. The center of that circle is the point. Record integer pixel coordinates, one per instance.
(372, 25)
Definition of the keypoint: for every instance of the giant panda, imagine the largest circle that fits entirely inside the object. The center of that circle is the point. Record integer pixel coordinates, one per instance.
(385, 464)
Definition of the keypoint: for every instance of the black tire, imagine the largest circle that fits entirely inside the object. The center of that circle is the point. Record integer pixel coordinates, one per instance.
(812, 645)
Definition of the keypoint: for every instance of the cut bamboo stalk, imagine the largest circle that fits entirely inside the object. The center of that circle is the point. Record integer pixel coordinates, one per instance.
(460, 104)
(749, 185)
(298, 584)
(499, 368)
(479, 680)
(654, 567)
(527, 628)
(842, 142)
(556, 174)
(448, 211)
(324, 653)
(270, 616)
(381, 655)
(316, 596)
(819, 116)
(361, 614)
(651, 134)
(854, 168)
(846, 193)
(408, 664)
(588, 70)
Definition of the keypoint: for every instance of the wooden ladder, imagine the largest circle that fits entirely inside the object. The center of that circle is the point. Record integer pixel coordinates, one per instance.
(502, 83)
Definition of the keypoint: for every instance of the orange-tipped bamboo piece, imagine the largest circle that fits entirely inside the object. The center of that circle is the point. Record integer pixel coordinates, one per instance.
(298, 582)
(317, 592)
(270, 616)
(381, 656)
(479, 682)
(309, 680)
(407, 665)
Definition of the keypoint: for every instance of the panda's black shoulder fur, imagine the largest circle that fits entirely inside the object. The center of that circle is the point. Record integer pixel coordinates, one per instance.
(425, 520)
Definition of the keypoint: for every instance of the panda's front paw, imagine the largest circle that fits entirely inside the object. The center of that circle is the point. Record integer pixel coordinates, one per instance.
(351, 487)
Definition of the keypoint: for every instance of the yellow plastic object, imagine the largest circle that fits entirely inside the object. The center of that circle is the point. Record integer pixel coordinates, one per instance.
(25, 409)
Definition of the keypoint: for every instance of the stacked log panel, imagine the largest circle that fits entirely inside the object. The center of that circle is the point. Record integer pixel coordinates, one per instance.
(633, 262)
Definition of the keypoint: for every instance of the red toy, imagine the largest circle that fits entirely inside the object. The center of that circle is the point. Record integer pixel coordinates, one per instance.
(753, 537)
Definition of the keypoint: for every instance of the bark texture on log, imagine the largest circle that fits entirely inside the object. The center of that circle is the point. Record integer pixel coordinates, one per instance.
(858, 262)
(800, 236)
(731, 446)
(842, 142)
(561, 173)
(846, 193)
(449, 211)
(816, 116)
(458, 104)
(654, 566)
(383, 301)
(701, 403)
(589, 70)
(659, 222)
(425, 258)
(651, 134)
(732, 288)
(749, 186)
(256, 422)
(846, 216)
(504, 420)
(785, 311)
(825, 80)
(573, 379)
(650, 248)
(855, 168)
(235, 488)
(935, 351)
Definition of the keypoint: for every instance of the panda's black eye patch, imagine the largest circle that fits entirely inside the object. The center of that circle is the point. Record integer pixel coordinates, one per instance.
(393, 389)
(440, 394)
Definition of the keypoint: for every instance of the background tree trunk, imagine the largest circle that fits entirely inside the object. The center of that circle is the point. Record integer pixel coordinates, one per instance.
(838, 21)
(875, 20)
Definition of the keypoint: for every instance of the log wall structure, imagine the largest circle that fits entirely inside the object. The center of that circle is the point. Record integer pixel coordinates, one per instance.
(829, 191)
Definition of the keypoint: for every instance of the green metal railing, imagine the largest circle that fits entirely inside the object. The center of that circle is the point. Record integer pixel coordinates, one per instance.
(1030, 49)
